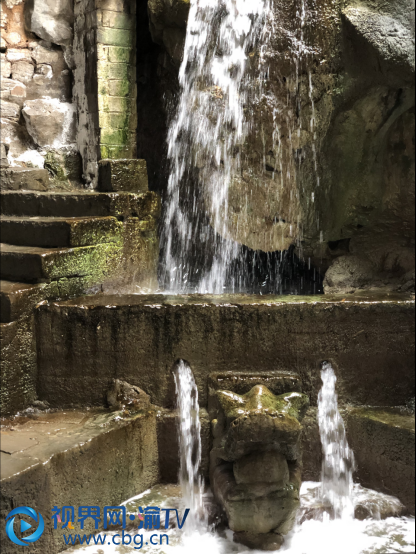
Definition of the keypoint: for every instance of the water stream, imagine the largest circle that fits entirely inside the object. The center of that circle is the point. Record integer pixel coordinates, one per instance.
(189, 433)
(338, 459)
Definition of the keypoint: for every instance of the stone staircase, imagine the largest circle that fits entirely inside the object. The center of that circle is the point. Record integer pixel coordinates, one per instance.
(64, 244)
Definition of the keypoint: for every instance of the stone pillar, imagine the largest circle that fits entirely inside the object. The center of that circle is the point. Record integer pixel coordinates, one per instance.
(105, 81)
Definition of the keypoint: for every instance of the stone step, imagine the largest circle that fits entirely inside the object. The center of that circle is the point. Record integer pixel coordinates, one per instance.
(52, 232)
(18, 299)
(56, 459)
(24, 178)
(32, 264)
(80, 204)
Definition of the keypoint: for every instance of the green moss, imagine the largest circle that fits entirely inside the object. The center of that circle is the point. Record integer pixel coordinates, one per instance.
(261, 400)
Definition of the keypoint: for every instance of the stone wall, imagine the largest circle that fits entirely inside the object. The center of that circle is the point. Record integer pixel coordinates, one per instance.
(105, 81)
(38, 117)
(68, 86)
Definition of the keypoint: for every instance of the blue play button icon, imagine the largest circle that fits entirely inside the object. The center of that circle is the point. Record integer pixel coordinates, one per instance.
(24, 526)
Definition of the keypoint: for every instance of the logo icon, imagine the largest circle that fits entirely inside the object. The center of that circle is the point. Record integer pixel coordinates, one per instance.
(35, 536)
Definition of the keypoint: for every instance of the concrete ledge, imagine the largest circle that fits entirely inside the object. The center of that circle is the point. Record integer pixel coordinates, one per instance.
(92, 340)
(74, 459)
(383, 441)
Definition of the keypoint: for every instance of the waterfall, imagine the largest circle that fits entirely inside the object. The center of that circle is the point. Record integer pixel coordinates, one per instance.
(189, 431)
(205, 137)
(338, 459)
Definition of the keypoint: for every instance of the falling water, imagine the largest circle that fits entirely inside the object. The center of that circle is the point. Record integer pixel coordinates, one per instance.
(338, 459)
(189, 445)
(206, 136)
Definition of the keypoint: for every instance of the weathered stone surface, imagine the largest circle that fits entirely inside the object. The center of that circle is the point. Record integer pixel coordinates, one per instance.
(123, 396)
(64, 451)
(54, 232)
(358, 58)
(23, 71)
(4, 149)
(81, 204)
(278, 382)
(50, 20)
(266, 541)
(18, 365)
(18, 299)
(122, 176)
(383, 441)
(21, 178)
(370, 341)
(266, 467)
(272, 511)
(50, 122)
(15, 136)
(12, 90)
(6, 67)
(11, 111)
(65, 166)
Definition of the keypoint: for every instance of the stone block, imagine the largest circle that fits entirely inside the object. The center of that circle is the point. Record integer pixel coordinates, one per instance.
(119, 71)
(116, 88)
(383, 441)
(128, 6)
(116, 152)
(122, 176)
(120, 55)
(115, 37)
(10, 110)
(114, 104)
(23, 71)
(118, 120)
(113, 136)
(117, 20)
(6, 67)
(23, 178)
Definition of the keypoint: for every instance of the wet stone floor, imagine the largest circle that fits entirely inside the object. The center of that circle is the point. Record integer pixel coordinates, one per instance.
(371, 536)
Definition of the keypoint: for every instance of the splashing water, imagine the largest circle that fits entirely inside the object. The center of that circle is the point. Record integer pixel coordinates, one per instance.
(206, 134)
(338, 459)
(189, 446)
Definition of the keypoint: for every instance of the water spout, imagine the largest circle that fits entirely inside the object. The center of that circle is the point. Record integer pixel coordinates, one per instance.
(189, 428)
(338, 459)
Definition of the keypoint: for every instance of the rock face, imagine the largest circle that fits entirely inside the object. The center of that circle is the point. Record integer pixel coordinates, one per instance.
(50, 122)
(51, 20)
(355, 86)
(256, 462)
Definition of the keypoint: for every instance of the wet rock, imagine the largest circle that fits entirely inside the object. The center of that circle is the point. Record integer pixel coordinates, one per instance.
(267, 541)
(40, 405)
(50, 122)
(123, 396)
(267, 467)
(168, 25)
(50, 20)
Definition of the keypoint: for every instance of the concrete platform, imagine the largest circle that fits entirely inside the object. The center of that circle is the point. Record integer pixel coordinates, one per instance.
(83, 344)
(74, 458)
